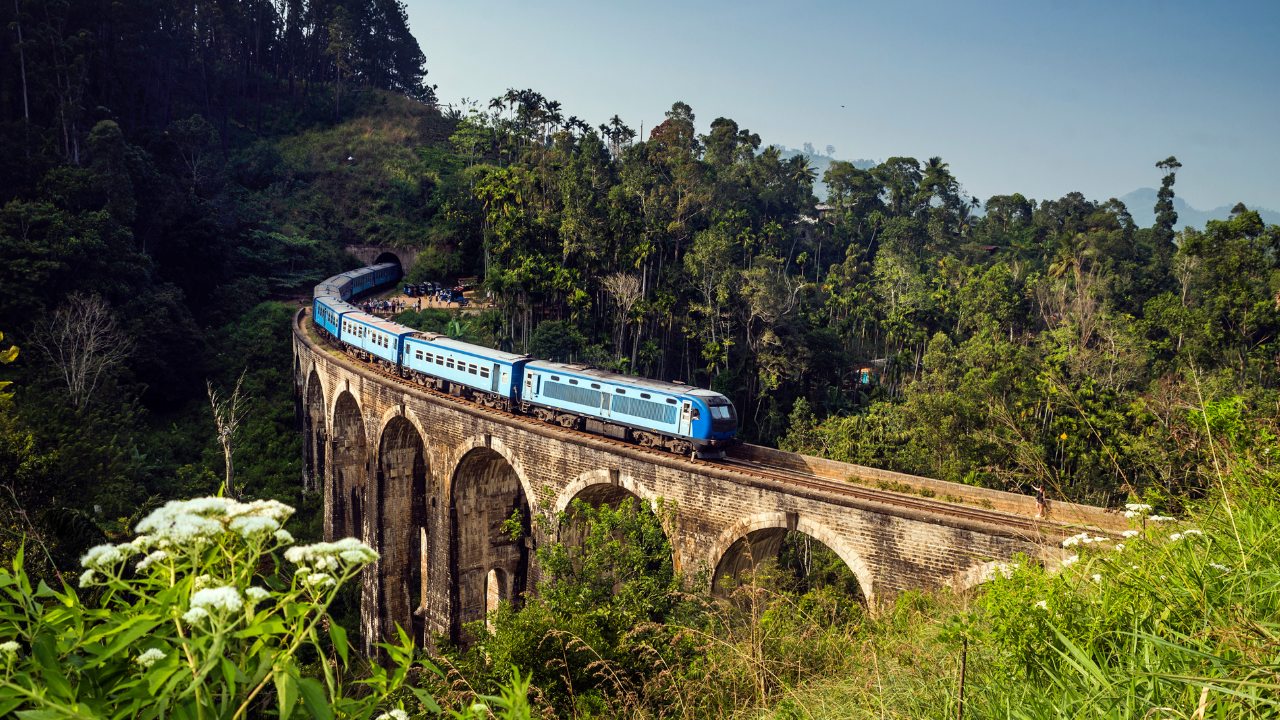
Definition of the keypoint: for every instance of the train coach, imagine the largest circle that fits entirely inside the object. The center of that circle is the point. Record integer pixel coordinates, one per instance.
(650, 413)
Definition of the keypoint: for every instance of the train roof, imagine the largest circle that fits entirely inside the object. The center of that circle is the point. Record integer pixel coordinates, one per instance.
(447, 342)
(385, 326)
(608, 376)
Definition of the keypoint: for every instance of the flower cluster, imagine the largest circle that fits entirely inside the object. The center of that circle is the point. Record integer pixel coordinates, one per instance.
(1083, 538)
(1071, 561)
(195, 522)
(394, 715)
(1135, 510)
(345, 553)
(149, 658)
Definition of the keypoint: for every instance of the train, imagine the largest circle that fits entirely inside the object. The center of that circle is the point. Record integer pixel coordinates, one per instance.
(649, 413)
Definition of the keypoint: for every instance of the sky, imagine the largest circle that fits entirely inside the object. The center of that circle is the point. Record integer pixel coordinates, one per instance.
(1032, 97)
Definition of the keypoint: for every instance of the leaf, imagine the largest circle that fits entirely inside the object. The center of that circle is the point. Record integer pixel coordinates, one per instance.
(425, 698)
(51, 674)
(286, 691)
(144, 625)
(229, 675)
(39, 714)
(338, 635)
(313, 697)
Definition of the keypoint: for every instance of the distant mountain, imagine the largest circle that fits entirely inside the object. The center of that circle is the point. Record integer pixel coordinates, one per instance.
(820, 163)
(1142, 203)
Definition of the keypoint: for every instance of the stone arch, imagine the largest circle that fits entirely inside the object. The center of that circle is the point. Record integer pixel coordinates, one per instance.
(756, 537)
(315, 428)
(349, 470)
(603, 485)
(485, 491)
(402, 474)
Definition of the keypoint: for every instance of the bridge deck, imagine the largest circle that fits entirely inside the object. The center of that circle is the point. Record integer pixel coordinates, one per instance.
(768, 468)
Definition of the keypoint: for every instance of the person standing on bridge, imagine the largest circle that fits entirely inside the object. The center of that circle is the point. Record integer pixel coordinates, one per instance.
(1039, 499)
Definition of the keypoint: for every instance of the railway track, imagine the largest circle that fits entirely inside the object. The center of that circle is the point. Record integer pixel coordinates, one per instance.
(1039, 530)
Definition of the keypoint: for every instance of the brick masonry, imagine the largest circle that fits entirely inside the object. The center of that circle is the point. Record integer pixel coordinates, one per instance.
(428, 482)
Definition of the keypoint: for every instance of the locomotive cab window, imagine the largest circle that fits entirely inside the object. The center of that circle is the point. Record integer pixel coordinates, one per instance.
(696, 414)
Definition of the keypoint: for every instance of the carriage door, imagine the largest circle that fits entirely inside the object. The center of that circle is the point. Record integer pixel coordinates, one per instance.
(604, 404)
(686, 411)
(528, 386)
(494, 375)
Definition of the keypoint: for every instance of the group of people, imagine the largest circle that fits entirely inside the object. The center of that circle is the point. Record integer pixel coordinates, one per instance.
(385, 306)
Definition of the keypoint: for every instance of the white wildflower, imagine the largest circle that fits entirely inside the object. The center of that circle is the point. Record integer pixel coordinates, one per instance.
(1223, 568)
(196, 521)
(284, 537)
(1042, 605)
(1119, 547)
(1071, 561)
(155, 557)
(1161, 518)
(1135, 567)
(201, 582)
(1189, 533)
(1130, 533)
(141, 542)
(1086, 540)
(1138, 507)
(1175, 537)
(1097, 578)
(1130, 514)
(224, 598)
(394, 715)
(149, 658)
(100, 556)
(1100, 539)
(320, 579)
(195, 615)
(256, 594)
(9, 648)
(86, 578)
(249, 525)
(325, 556)
(302, 570)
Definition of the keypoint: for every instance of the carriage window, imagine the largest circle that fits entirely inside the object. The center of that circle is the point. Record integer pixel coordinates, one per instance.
(620, 391)
(449, 363)
(671, 401)
(646, 396)
(572, 381)
(417, 354)
(556, 378)
(484, 372)
(430, 358)
(471, 369)
(439, 359)
(595, 386)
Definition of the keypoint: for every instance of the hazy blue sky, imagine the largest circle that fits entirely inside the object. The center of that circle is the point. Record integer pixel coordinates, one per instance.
(1037, 98)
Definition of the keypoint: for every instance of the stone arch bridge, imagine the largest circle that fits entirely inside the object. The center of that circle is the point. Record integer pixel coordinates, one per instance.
(428, 481)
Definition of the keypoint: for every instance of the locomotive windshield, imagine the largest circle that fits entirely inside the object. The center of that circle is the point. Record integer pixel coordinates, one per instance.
(723, 418)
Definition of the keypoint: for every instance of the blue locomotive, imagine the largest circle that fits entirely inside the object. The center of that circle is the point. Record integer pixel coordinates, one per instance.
(650, 413)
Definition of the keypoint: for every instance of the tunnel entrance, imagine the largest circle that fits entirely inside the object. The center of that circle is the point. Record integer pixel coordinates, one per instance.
(402, 525)
(350, 469)
(787, 560)
(487, 560)
(388, 257)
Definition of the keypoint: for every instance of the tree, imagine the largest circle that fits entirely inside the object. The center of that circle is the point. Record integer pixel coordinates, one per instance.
(341, 45)
(227, 416)
(1166, 218)
(83, 341)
